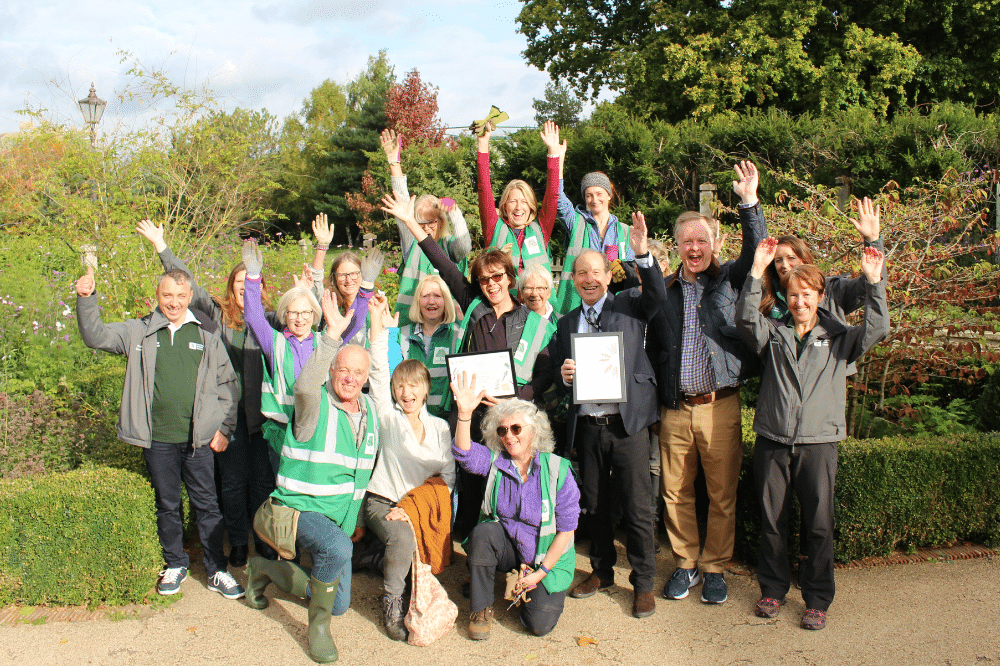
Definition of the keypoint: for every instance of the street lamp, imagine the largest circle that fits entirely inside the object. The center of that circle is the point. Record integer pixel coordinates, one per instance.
(92, 109)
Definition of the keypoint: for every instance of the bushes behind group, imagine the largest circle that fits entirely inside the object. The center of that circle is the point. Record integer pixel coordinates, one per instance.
(896, 492)
(83, 537)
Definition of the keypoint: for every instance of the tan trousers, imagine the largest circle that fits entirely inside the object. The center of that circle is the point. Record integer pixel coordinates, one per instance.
(713, 432)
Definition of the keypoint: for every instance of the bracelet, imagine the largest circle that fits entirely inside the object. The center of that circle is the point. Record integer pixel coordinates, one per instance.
(323, 247)
(463, 420)
(544, 568)
(394, 163)
(552, 156)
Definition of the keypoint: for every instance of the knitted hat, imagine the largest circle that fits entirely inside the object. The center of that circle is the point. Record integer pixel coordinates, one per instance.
(595, 179)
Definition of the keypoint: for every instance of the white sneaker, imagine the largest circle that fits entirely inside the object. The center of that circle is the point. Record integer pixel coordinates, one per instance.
(224, 583)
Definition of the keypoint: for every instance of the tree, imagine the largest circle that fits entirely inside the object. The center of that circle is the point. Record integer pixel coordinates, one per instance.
(560, 106)
(411, 109)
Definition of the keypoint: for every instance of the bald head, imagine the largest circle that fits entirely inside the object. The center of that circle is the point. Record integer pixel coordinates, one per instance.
(350, 372)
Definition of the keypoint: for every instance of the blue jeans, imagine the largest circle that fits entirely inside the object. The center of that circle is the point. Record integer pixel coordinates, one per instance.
(331, 552)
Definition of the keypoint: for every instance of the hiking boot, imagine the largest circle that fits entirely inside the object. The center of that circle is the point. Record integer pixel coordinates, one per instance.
(589, 586)
(768, 607)
(289, 577)
(714, 591)
(321, 646)
(479, 624)
(680, 582)
(813, 619)
(238, 555)
(392, 617)
(171, 579)
(224, 583)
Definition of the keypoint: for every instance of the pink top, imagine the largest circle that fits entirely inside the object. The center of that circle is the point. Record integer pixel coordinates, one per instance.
(487, 202)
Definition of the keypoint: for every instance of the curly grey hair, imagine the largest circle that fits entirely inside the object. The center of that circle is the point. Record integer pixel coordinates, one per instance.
(534, 418)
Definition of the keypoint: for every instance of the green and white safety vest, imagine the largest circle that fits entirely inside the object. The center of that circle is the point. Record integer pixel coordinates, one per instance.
(329, 473)
(567, 297)
(536, 334)
(554, 472)
(416, 267)
(276, 398)
(533, 250)
(443, 342)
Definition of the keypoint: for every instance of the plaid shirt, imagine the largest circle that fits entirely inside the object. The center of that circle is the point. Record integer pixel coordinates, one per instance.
(696, 371)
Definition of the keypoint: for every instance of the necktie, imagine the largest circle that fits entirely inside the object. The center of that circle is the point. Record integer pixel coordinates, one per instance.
(591, 317)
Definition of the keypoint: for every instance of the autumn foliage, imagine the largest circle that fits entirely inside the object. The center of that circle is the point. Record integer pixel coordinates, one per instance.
(411, 108)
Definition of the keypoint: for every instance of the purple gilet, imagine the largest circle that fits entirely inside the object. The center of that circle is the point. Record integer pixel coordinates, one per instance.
(519, 503)
(253, 312)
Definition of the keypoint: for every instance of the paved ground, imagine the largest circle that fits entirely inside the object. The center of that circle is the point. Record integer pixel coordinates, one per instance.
(941, 613)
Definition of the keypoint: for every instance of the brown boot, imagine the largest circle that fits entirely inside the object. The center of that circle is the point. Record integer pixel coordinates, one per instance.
(589, 586)
(479, 624)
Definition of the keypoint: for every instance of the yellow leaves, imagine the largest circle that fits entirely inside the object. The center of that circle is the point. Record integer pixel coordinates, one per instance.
(585, 640)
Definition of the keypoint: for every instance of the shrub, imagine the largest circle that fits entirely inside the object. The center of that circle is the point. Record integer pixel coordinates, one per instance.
(897, 492)
(83, 537)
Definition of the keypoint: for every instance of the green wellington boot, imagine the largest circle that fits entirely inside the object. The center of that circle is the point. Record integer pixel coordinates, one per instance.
(288, 576)
(321, 647)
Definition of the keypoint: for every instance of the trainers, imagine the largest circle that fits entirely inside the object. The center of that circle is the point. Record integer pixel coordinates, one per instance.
(714, 591)
(679, 584)
(224, 583)
(171, 579)
(813, 619)
(479, 624)
(767, 607)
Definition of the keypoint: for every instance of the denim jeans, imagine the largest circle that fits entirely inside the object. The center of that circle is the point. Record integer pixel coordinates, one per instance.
(331, 552)
(168, 464)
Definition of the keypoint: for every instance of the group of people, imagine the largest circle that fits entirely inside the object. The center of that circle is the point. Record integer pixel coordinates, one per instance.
(336, 408)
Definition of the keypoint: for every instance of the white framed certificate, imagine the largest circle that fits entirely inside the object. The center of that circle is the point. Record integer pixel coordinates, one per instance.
(600, 363)
(494, 371)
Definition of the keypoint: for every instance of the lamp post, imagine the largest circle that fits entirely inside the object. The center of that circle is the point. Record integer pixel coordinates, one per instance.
(92, 108)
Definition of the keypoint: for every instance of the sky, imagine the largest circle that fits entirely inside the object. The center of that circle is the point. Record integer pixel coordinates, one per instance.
(261, 54)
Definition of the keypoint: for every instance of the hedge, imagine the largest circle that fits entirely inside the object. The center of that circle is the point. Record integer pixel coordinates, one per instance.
(897, 492)
(82, 537)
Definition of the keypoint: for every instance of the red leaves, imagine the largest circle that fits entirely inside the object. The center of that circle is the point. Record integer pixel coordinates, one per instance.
(411, 108)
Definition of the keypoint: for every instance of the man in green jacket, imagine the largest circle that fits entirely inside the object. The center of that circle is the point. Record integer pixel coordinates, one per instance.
(178, 405)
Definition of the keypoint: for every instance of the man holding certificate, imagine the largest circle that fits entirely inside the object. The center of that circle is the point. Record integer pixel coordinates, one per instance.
(599, 350)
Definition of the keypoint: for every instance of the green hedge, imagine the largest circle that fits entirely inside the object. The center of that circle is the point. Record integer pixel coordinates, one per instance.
(83, 537)
(897, 492)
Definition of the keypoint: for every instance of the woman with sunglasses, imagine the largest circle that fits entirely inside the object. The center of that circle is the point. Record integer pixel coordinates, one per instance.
(433, 215)
(519, 233)
(529, 510)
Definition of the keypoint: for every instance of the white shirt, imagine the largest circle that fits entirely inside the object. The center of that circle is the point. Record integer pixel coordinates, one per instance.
(583, 326)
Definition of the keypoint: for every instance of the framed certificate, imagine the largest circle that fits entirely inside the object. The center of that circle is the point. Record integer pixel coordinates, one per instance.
(600, 359)
(494, 371)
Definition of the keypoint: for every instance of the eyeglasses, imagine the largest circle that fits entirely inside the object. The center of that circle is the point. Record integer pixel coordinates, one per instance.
(425, 223)
(515, 429)
(305, 314)
(527, 289)
(485, 279)
(353, 275)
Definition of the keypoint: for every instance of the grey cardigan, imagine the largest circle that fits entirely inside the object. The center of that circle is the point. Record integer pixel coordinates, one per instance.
(803, 398)
(217, 390)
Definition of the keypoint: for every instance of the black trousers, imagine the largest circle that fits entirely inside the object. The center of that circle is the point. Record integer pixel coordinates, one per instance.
(614, 479)
(811, 470)
(492, 550)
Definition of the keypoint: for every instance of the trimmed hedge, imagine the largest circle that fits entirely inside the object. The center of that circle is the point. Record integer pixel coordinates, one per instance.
(83, 537)
(896, 492)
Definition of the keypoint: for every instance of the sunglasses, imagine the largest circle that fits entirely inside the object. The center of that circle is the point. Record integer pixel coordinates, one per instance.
(515, 429)
(485, 279)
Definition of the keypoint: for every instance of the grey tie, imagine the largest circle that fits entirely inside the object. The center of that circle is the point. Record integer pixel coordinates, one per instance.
(591, 317)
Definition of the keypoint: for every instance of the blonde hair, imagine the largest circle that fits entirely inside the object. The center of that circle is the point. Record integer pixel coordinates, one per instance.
(429, 201)
(411, 371)
(449, 304)
(528, 193)
(295, 293)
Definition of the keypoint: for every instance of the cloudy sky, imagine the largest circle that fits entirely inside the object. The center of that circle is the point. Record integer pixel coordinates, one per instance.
(262, 54)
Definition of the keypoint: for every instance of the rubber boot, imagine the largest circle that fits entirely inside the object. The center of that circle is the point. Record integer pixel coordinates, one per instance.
(288, 576)
(321, 647)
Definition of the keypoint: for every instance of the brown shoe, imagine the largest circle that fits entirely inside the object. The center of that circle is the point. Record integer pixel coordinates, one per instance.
(589, 586)
(644, 604)
(479, 624)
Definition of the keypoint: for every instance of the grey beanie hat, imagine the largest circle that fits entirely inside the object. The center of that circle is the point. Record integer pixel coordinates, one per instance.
(595, 179)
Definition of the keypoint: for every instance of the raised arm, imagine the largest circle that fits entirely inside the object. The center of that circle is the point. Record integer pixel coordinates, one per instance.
(111, 338)
(316, 370)
(851, 293)
(654, 292)
(461, 241)
(753, 326)
(751, 219)
(547, 215)
(323, 232)
(199, 297)
(253, 306)
(487, 202)
(876, 322)
(466, 401)
(378, 376)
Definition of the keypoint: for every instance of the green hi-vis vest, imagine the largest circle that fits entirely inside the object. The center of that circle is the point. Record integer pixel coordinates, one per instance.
(276, 399)
(554, 472)
(536, 334)
(329, 473)
(415, 269)
(567, 297)
(443, 342)
(533, 250)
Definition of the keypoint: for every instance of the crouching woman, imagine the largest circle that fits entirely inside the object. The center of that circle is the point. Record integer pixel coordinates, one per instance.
(800, 418)
(529, 512)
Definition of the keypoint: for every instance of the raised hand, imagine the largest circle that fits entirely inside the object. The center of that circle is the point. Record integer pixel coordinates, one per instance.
(306, 280)
(390, 145)
(253, 260)
(746, 185)
(371, 267)
(85, 286)
(483, 141)
(152, 233)
(638, 233)
(448, 205)
(466, 398)
(550, 137)
(763, 257)
(868, 223)
(871, 264)
(402, 210)
(336, 323)
(322, 230)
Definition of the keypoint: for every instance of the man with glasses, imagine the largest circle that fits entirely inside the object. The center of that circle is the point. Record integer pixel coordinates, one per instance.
(613, 438)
